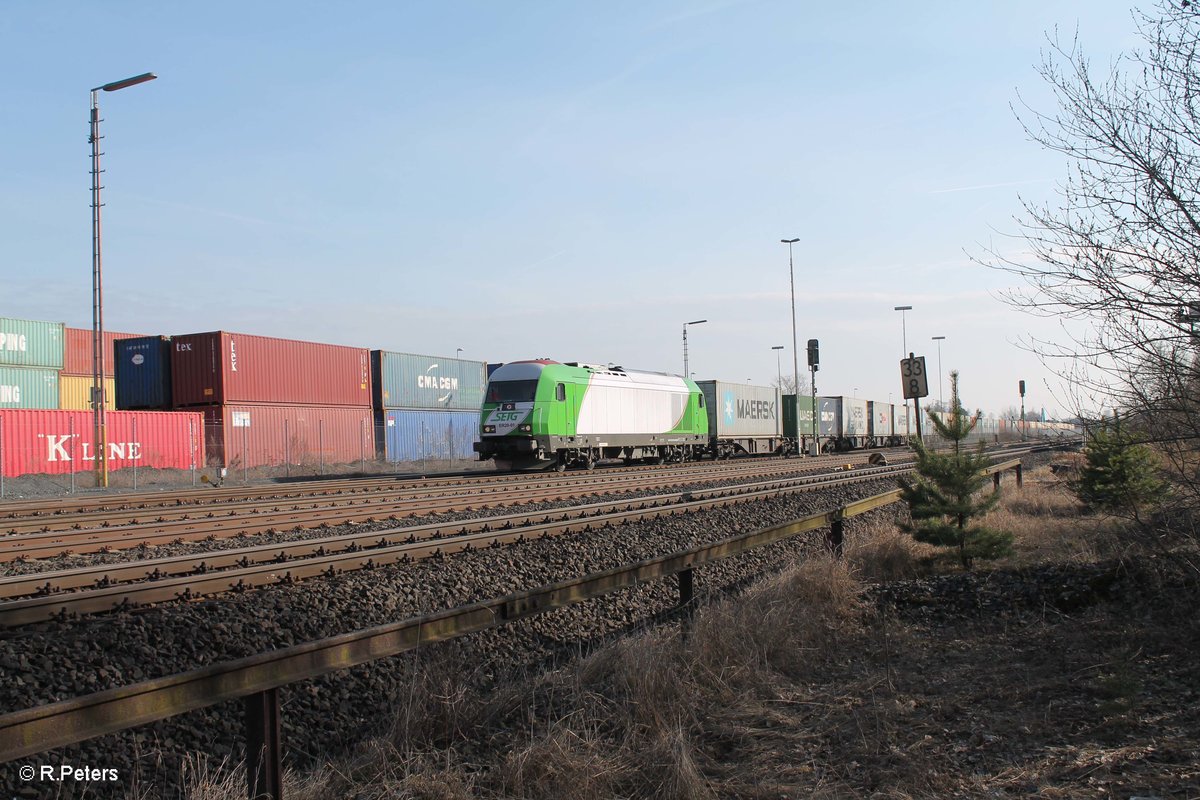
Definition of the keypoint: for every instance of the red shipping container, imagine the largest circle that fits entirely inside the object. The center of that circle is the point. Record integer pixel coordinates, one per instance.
(77, 354)
(220, 368)
(61, 442)
(257, 435)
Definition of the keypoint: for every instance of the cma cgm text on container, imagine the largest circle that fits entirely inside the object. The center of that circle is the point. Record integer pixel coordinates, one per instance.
(406, 380)
(60, 442)
(220, 367)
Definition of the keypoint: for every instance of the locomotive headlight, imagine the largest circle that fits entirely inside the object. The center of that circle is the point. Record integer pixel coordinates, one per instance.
(526, 428)
(489, 428)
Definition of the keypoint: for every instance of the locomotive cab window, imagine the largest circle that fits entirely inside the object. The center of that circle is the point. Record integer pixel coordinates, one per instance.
(511, 391)
(700, 397)
(560, 392)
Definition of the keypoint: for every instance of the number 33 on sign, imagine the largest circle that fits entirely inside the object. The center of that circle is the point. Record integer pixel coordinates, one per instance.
(912, 377)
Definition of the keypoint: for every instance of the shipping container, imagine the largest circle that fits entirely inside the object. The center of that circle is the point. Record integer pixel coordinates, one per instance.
(75, 393)
(77, 354)
(802, 408)
(28, 343)
(433, 435)
(259, 435)
(143, 372)
(28, 387)
(493, 367)
(231, 368)
(842, 422)
(404, 380)
(902, 416)
(60, 442)
(880, 422)
(740, 410)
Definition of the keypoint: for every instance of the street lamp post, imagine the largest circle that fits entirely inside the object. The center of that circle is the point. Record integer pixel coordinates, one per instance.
(101, 443)
(941, 397)
(903, 328)
(457, 352)
(778, 373)
(795, 353)
(685, 353)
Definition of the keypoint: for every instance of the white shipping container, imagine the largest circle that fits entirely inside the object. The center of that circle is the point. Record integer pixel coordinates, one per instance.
(739, 410)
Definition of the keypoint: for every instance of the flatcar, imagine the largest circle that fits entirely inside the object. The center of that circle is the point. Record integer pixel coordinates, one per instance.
(546, 414)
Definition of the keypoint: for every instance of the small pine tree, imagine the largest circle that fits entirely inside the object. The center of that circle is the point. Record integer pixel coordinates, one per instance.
(1121, 475)
(945, 494)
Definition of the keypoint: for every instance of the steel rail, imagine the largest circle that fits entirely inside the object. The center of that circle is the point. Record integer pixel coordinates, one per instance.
(54, 543)
(14, 509)
(105, 575)
(226, 509)
(41, 608)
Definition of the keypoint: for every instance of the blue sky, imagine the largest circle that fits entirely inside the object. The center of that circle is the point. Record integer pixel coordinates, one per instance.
(571, 180)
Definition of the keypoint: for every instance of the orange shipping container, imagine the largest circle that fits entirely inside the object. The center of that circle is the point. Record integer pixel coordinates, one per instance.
(75, 393)
(77, 355)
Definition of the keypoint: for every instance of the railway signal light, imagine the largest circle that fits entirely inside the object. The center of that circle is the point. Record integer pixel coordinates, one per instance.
(814, 354)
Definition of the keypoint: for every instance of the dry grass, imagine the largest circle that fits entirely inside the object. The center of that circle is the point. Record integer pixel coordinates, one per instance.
(799, 687)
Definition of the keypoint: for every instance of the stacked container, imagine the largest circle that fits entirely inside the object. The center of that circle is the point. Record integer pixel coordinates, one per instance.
(427, 406)
(56, 442)
(31, 355)
(270, 401)
(75, 379)
(142, 369)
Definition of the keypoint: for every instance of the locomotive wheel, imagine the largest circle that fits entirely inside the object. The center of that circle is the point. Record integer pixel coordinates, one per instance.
(560, 465)
(589, 463)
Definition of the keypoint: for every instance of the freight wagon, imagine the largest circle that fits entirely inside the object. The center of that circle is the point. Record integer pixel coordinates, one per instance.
(743, 419)
(61, 442)
(546, 414)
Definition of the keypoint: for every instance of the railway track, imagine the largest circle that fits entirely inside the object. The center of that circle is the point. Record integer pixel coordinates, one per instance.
(48, 595)
(102, 531)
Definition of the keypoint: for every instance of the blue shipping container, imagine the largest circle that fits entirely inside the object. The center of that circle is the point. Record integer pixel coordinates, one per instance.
(430, 435)
(142, 368)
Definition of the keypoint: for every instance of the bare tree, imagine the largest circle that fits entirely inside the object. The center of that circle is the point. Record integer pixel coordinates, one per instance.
(788, 384)
(1117, 256)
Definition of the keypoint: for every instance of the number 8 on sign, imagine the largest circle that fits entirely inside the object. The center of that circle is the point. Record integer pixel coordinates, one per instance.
(912, 377)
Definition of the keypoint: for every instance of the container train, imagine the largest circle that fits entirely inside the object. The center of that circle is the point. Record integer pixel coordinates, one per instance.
(546, 414)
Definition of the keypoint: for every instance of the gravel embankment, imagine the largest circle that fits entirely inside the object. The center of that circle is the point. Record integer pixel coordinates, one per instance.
(53, 661)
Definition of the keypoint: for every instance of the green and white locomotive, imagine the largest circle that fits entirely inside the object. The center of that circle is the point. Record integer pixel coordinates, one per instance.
(542, 414)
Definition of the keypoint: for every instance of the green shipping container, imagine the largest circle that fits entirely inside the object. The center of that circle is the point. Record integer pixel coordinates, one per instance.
(28, 387)
(404, 380)
(790, 409)
(27, 343)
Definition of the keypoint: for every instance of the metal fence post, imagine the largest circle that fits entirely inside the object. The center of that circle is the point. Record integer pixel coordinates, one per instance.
(264, 746)
(192, 451)
(321, 443)
(132, 445)
(1018, 476)
(71, 431)
(452, 444)
(287, 455)
(1, 458)
(245, 457)
(835, 539)
(422, 446)
(362, 445)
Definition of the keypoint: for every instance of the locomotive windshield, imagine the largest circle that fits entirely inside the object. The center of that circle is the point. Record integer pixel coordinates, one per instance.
(511, 391)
